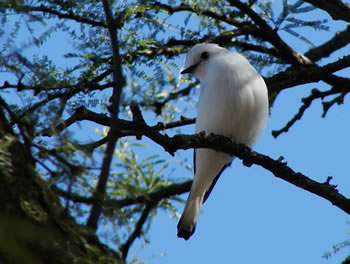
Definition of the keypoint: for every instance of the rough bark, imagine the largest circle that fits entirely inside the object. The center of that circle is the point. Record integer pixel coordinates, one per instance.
(34, 227)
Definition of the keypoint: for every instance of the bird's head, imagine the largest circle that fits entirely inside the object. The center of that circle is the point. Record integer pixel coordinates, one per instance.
(198, 58)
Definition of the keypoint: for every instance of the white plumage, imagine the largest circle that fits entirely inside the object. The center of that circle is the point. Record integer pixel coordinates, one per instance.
(233, 102)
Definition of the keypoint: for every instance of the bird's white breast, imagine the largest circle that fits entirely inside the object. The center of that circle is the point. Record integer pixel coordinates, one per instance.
(233, 99)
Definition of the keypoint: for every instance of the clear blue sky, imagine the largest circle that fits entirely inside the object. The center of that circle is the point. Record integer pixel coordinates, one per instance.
(252, 217)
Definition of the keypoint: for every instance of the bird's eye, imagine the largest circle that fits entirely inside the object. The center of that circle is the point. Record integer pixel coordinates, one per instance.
(205, 55)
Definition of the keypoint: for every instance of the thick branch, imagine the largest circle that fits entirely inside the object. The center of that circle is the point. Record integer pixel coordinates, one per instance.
(164, 192)
(82, 113)
(294, 77)
(339, 40)
(278, 168)
(335, 8)
(248, 157)
(220, 143)
(224, 144)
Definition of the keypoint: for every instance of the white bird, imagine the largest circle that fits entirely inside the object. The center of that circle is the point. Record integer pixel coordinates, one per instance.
(233, 102)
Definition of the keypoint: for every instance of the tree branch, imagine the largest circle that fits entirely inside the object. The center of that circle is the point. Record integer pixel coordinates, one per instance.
(198, 11)
(339, 40)
(158, 105)
(315, 94)
(163, 192)
(335, 8)
(266, 33)
(249, 157)
(293, 77)
(113, 134)
(81, 113)
(220, 143)
(138, 230)
(60, 15)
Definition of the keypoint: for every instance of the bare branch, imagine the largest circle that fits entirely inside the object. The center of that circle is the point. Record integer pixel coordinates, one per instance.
(337, 100)
(335, 8)
(138, 230)
(293, 77)
(268, 34)
(340, 40)
(198, 11)
(315, 94)
(70, 15)
(220, 143)
(125, 126)
(113, 134)
(249, 157)
(164, 192)
(184, 121)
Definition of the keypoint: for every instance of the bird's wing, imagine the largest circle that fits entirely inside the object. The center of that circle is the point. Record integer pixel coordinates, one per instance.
(212, 185)
(208, 192)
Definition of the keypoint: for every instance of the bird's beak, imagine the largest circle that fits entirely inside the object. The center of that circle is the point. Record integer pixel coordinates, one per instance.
(189, 69)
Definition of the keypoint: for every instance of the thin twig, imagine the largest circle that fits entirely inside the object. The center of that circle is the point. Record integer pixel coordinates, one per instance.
(69, 15)
(138, 230)
(315, 94)
(266, 33)
(205, 12)
(327, 105)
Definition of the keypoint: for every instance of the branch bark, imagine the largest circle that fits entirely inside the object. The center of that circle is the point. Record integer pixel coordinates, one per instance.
(335, 8)
(70, 15)
(294, 77)
(138, 229)
(248, 157)
(33, 226)
(339, 40)
(113, 134)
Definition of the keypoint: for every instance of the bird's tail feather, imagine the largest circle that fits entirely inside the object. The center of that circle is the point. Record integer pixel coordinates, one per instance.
(188, 220)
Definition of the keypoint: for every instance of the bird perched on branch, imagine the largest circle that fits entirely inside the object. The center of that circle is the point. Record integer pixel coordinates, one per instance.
(233, 102)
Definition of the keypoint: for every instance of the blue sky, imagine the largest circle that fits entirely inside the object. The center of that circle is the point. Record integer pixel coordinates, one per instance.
(251, 216)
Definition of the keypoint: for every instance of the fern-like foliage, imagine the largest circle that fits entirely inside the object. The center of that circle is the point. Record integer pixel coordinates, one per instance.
(293, 17)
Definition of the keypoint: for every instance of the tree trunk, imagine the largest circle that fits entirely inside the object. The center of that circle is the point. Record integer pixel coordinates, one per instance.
(34, 227)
